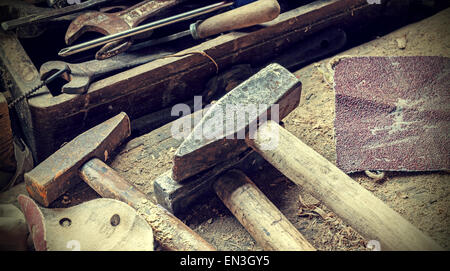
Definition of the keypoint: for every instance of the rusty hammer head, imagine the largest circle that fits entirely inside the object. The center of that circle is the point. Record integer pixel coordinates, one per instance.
(273, 92)
(218, 142)
(59, 172)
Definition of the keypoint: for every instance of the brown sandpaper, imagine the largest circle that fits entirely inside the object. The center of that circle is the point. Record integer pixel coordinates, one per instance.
(392, 113)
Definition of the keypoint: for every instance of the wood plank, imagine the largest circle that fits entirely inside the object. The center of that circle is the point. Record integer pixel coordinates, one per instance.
(260, 217)
(24, 76)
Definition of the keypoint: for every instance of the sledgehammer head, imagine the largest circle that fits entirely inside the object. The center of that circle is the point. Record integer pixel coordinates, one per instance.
(220, 135)
(58, 173)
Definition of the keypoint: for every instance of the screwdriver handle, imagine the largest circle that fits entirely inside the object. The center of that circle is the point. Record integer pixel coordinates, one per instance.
(260, 11)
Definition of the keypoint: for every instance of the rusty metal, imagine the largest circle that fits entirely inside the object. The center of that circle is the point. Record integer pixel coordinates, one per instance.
(218, 137)
(83, 158)
(62, 69)
(59, 172)
(82, 74)
(47, 14)
(392, 113)
(112, 23)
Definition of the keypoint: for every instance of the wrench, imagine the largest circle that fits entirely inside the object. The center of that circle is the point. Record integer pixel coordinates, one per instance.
(111, 23)
(80, 75)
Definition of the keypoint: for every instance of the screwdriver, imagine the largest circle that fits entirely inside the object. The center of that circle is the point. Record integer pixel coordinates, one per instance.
(245, 13)
(259, 12)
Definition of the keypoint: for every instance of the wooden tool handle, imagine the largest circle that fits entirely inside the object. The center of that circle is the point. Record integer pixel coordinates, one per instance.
(265, 223)
(355, 205)
(168, 230)
(252, 14)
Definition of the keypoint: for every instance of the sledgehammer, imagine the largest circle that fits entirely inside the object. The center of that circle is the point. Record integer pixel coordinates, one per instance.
(82, 157)
(219, 138)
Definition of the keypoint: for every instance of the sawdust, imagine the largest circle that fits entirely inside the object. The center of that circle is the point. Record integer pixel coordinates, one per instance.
(140, 167)
(423, 199)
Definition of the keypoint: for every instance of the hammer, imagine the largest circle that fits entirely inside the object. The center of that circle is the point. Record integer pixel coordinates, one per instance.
(82, 157)
(217, 140)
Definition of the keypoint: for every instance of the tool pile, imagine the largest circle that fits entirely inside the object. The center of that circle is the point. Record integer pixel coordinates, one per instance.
(142, 41)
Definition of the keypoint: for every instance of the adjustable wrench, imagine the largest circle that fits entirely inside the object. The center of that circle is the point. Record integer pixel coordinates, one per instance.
(80, 75)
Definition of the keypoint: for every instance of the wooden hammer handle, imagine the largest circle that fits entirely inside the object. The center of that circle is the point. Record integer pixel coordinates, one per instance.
(355, 205)
(262, 219)
(260, 11)
(168, 230)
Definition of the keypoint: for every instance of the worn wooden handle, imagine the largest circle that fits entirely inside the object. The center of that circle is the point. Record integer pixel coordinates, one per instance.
(359, 208)
(168, 230)
(252, 14)
(265, 223)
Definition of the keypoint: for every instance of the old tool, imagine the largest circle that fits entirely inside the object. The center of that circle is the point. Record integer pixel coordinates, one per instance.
(7, 159)
(113, 23)
(265, 223)
(95, 225)
(81, 75)
(259, 216)
(218, 139)
(46, 15)
(82, 157)
(266, 10)
(62, 69)
(14, 11)
(252, 14)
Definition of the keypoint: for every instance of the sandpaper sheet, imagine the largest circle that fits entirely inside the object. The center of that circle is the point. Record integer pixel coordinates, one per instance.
(392, 113)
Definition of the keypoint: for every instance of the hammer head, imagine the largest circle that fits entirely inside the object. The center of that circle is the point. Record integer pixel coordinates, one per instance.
(220, 135)
(58, 173)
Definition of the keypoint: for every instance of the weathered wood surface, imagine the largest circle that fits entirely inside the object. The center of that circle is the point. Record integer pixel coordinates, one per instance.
(350, 201)
(168, 230)
(23, 75)
(260, 217)
(52, 121)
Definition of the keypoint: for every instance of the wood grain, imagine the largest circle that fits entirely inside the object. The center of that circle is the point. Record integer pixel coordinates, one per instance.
(165, 82)
(168, 230)
(355, 205)
(259, 216)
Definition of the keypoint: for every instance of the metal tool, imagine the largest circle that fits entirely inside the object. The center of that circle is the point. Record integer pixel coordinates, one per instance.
(83, 158)
(218, 139)
(170, 20)
(80, 75)
(112, 23)
(50, 14)
(256, 13)
(62, 69)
